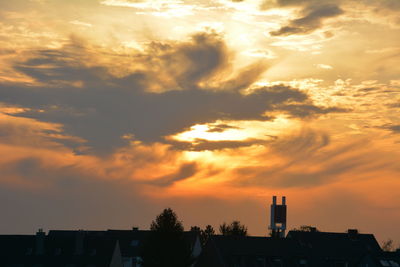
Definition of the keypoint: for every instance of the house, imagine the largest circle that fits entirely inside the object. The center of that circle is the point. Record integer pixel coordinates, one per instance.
(384, 259)
(43, 250)
(339, 249)
(66, 248)
(243, 251)
(130, 241)
(121, 248)
(299, 248)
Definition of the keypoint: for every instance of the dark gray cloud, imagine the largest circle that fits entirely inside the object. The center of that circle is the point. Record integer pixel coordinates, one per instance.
(315, 11)
(221, 128)
(189, 63)
(393, 127)
(201, 144)
(185, 171)
(102, 115)
(307, 109)
(105, 107)
(312, 18)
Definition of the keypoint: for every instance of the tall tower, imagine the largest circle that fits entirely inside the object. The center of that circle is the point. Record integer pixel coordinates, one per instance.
(278, 218)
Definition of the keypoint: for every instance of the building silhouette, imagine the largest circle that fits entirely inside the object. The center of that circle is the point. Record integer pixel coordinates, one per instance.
(306, 247)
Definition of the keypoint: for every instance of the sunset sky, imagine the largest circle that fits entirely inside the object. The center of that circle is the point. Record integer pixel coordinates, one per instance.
(111, 110)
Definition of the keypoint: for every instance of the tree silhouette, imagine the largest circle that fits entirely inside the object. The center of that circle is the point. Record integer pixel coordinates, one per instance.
(195, 229)
(207, 232)
(234, 229)
(167, 222)
(204, 234)
(223, 229)
(388, 245)
(165, 245)
(306, 228)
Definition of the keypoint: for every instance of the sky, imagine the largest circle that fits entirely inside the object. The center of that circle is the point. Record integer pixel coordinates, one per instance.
(112, 110)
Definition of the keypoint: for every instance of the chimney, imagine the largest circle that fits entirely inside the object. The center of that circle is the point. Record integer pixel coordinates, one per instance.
(352, 233)
(39, 239)
(79, 237)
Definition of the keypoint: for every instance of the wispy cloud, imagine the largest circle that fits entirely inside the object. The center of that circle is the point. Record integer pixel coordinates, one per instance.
(324, 66)
(312, 18)
(311, 159)
(81, 23)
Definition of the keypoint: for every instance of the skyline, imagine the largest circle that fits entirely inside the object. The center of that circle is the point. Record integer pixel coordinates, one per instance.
(112, 110)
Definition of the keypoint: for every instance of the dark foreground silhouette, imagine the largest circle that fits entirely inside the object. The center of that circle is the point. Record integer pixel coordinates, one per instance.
(167, 244)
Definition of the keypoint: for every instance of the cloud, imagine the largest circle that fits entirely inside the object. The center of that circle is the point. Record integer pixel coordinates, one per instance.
(42, 167)
(57, 189)
(297, 3)
(184, 172)
(310, 159)
(394, 105)
(385, 7)
(395, 128)
(81, 23)
(312, 19)
(32, 133)
(83, 137)
(207, 145)
(307, 109)
(171, 86)
(324, 66)
(221, 128)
